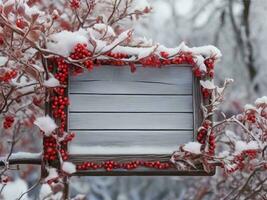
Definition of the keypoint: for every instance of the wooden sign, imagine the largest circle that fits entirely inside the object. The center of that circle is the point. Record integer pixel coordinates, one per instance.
(135, 119)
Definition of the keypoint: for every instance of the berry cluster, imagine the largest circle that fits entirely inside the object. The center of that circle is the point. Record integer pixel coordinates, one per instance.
(206, 92)
(4, 179)
(50, 148)
(183, 58)
(164, 55)
(8, 75)
(37, 101)
(250, 153)
(62, 71)
(116, 55)
(115, 59)
(210, 67)
(9, 120)
(81, 52)
(64, 144)
(59, 101)
(110, 165)
(20, 23)
(75, 4)
(64, 154)
(202, 136)
(240, 158)
(251, 117)
(211, 150)
(59, 104)
(202, 133)
(151, 61)
(1, 40)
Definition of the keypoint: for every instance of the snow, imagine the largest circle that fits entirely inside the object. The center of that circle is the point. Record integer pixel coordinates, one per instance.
(224, 154)
(103, 30)
(46, 124)
(14, 189)
(101, 47)
(24, 155)
(3, 60)
(135, 52)
(183, 7)
(232, 135)
(52, 174)
(249, 107)
(51, 82)
(242, 146)
(45, 191)
(207, 84)
(68, 167)
(262, 100)
(140, 4)
(9, 2)
(193, 147)
(24, 83)
(64, 41)
(32, 10)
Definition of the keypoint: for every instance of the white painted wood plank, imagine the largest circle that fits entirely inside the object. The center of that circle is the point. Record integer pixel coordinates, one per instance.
(167, 74)
(130, 103)
(131, 138)
(111, 150)
(124, 87)
(100, 121)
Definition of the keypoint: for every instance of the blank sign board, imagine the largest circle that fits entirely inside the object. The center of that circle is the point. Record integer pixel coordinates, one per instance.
(119, 115)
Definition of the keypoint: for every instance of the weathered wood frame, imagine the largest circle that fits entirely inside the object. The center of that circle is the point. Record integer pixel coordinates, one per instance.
(197, 119)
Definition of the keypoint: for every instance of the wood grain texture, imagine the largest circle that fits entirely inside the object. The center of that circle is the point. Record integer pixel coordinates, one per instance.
(126, 103)
(119, 87)
(167, 74)
(141, 121)
(119, 80)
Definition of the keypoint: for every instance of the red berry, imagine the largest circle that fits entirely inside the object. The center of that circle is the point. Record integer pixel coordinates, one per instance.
(164, 54)
(1, 41)
(20, 23)
(75, 4)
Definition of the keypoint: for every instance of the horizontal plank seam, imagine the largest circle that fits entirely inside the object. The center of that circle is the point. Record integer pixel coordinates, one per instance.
(130, 129)
(153, 82)
(127, 94)
(74, 111)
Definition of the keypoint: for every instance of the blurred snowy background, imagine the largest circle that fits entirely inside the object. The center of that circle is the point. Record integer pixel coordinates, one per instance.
(238, 28)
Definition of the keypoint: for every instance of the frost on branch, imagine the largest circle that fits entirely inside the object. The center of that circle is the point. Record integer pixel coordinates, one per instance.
(243, 150)
(241, 146)
(46, 124)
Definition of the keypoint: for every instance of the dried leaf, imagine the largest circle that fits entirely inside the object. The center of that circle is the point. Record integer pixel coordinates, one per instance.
(34, 35)
(8, 9)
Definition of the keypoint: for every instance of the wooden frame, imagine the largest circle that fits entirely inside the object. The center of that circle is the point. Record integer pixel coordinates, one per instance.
(197, 119)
